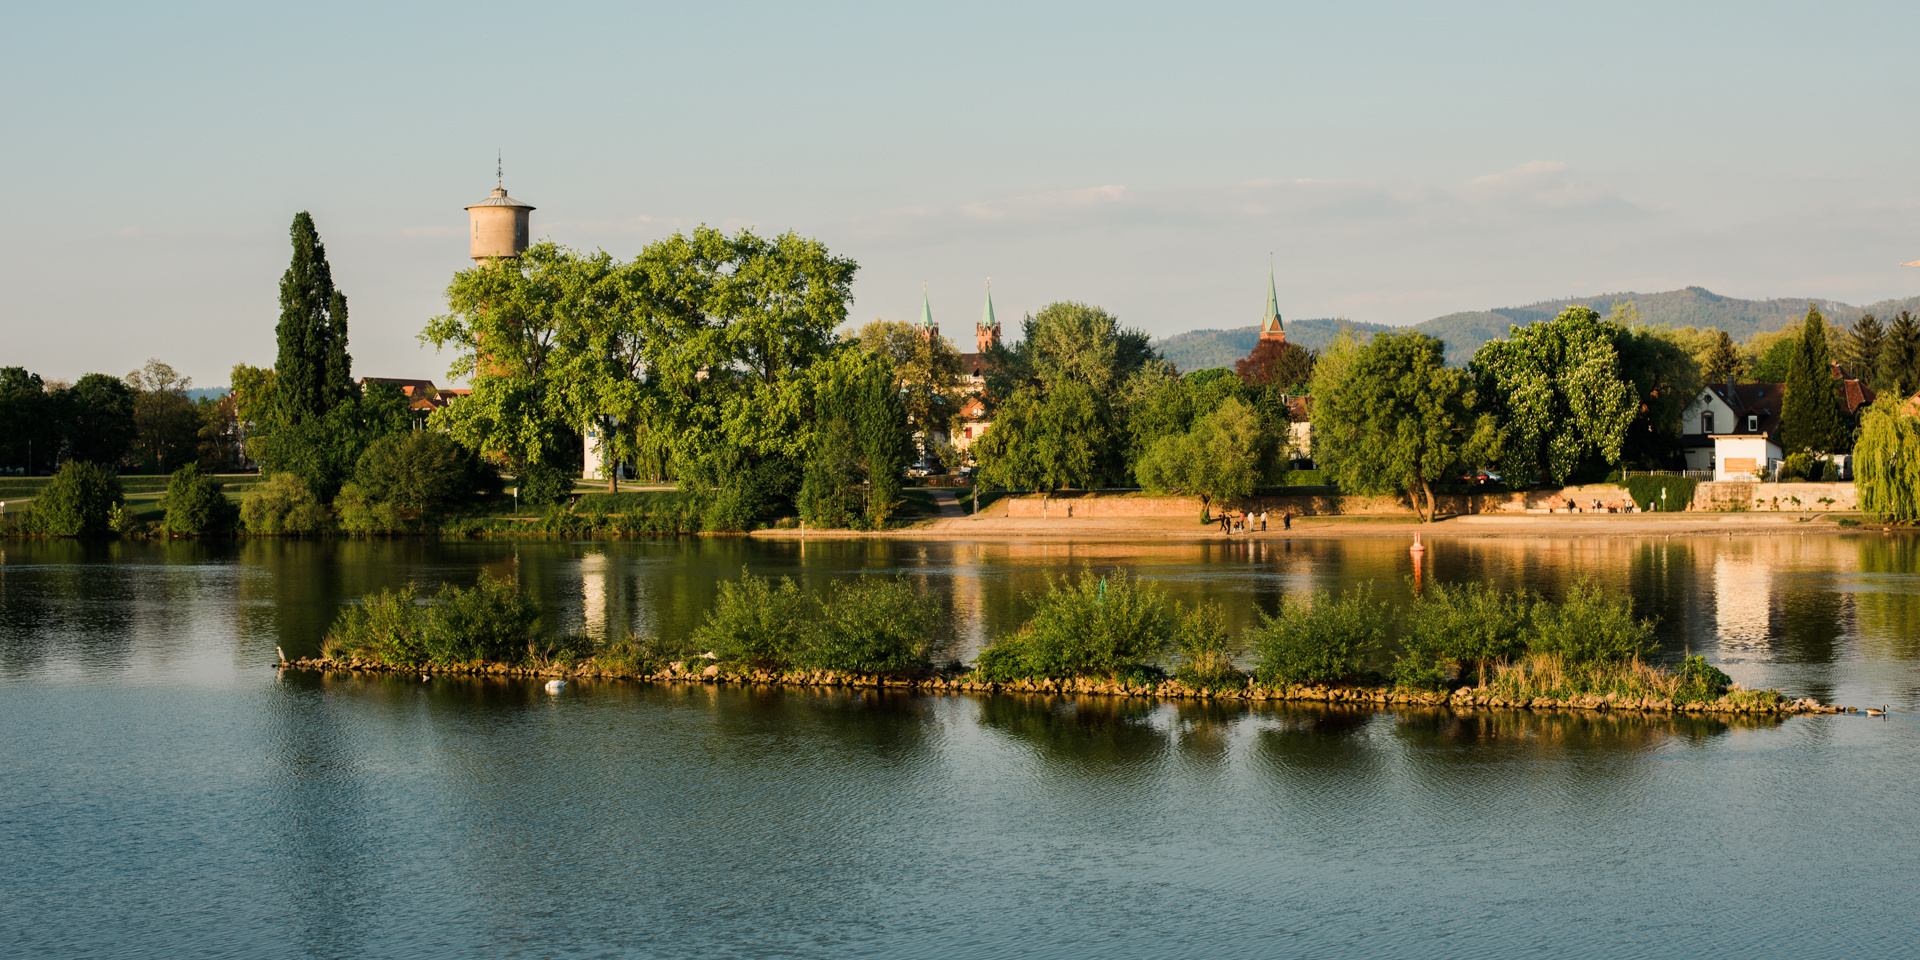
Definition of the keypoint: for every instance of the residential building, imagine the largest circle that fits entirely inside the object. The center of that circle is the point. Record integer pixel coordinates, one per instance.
(1733, 430)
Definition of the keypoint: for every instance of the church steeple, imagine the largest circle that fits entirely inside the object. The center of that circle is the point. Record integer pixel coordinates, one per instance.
(986, 333)
(1270, 326)
(928, 328)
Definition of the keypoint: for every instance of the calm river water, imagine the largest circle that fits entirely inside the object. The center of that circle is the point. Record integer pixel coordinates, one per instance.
(165, 793)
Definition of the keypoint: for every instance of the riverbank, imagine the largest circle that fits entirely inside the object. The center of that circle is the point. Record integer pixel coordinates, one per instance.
(1737, 702)
(985, 527)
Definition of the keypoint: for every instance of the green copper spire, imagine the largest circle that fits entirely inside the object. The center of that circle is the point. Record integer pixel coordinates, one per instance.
(926, 311)
(986, 316)
(1270, 325)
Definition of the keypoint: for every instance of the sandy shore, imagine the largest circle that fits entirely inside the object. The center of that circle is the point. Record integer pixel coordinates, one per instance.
(1312, 528)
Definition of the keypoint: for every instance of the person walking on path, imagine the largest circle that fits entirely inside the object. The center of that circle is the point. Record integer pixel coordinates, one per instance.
(1263, 520)
(1286, 520)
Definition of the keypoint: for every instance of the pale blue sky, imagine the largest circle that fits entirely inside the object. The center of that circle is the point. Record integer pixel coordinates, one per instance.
(1400, 161)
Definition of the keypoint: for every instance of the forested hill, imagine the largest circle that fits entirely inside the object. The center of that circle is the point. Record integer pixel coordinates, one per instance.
(1464, 332)
(1205, 349)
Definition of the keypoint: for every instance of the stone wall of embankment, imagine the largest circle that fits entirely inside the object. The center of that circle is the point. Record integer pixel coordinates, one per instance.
(1309, 502)
(1748, 495)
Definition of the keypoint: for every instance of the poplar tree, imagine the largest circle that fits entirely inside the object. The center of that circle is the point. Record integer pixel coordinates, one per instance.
(1810, 414)
(312, 373)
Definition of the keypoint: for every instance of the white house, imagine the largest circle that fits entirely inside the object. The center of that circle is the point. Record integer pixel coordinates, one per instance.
(1733, 429)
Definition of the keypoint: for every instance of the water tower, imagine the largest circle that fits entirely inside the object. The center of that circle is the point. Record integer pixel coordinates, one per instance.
(500, 226)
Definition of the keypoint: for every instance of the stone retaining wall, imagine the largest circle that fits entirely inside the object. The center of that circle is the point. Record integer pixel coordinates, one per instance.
(1310, 502)
(1725, 495)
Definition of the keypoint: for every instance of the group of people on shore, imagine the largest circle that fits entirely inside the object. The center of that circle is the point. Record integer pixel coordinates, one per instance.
(1242, 521)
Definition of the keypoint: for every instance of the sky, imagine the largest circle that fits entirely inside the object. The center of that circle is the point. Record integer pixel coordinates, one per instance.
(1395, 161)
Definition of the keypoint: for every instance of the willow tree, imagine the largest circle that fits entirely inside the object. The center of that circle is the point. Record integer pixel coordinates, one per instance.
(1886, 460)
(1556, 390)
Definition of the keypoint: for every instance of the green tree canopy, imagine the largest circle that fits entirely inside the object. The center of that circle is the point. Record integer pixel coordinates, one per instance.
(97, 419)
(1557, 393)
(926, 372)
(166, 423)
(1069, 342)
(28, 429)
(1222, 458)
(1886, 460)
(313, 370)
(1900, 356)
(1722, 361)
(1864, 343)
(860, 444)
(1398, 421)
(1046, 440)
(1810, 415)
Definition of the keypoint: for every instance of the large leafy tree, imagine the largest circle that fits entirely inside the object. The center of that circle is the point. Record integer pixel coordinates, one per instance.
(522, 330)
(1044, 440)
(860, 445)
(1398, 421)
(1276, 363)
(1665, 377)
(1069, 342)
(1557, 393)
(1225, 455)
(1810, 415)
(926, 371)
(166, 423)
(96, 419)
(28, 431)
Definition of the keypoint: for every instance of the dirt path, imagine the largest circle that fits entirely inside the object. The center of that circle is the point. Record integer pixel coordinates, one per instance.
(948, 501)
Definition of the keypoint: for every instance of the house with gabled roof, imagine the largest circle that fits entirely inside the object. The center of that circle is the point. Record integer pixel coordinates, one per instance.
(1733, 429)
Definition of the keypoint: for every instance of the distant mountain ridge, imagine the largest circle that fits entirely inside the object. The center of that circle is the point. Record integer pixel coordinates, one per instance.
(1465, 331)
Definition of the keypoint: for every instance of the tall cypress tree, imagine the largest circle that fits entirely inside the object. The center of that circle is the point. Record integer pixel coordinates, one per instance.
(1810, 415)
(312, 373)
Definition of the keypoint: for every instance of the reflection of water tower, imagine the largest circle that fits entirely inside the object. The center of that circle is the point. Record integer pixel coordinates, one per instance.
(501, 226)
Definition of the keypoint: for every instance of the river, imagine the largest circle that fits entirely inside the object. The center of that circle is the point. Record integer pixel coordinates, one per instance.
(164, 791)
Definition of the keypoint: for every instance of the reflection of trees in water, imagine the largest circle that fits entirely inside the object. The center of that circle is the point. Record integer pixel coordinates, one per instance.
(1886, 598)
(1091, 732)
(1556, 733)
(72, 600)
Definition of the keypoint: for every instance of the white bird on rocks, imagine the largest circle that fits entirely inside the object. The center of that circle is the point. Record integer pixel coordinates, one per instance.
(555, 686)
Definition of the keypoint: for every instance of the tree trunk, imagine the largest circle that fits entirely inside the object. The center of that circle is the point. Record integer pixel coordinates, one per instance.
(1426, 486)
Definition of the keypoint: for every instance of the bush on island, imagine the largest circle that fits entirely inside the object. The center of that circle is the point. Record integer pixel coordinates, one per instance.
(1587, 628)
(491, 622)
(1091, 625)
(1458, 631)
(82, 501)
(1320, 639)
(865, 626)
(1205, 648)
(284, 505)
(197, 504)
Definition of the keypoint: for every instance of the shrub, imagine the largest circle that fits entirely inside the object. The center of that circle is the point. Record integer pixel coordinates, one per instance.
(360, 512)
(423, 473)
(1797, 466)
(284, 504)
(638, 655)
(1696, 679)
(1829, 472)
(1646, 490)
(1206, 650)
(872, 626)
(78, 503)
(1095, 625)
(490, 622)
(755, 621)
(1587, 628)
(1460, 629)
(545, 484)
(1319, 640)
(197, 504)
